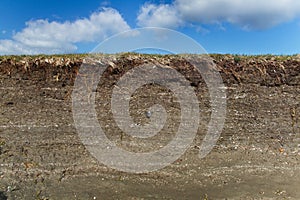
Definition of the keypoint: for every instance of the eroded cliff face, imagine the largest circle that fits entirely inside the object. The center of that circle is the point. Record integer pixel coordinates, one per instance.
(256, 156)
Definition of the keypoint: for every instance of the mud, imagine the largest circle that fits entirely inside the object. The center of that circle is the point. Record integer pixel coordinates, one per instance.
(256, 157)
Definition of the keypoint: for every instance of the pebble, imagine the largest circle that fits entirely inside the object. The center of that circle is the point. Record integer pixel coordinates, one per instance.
(148, 114)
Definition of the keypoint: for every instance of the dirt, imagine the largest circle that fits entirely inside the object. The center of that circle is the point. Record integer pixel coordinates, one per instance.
(256, 157)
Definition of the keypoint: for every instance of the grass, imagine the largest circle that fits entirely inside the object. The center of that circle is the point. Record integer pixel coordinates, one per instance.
(216, 56)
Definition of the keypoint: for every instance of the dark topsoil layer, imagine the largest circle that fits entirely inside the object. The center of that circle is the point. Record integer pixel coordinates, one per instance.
(263, 70)
(256, 157)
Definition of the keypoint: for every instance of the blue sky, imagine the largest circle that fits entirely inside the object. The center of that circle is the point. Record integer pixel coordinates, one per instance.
(220, 26)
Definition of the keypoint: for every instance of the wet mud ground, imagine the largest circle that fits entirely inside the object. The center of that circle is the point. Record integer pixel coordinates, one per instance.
(256, 157)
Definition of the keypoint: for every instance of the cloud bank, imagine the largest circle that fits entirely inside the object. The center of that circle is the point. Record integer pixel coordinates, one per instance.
(44, 37)
(248, 14)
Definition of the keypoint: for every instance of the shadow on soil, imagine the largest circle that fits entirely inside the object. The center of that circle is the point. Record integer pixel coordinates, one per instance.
(2, 196)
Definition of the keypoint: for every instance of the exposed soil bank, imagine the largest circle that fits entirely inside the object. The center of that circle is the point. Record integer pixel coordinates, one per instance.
(256, 157)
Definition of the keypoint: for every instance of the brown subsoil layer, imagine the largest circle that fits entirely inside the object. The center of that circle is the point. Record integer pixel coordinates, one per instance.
(256, 157)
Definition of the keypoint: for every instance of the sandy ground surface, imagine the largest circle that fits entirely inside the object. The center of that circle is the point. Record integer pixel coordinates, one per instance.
(256, 157)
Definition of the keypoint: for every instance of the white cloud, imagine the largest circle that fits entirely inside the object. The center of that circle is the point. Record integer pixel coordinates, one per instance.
(42, 36)
(11, 47)
(163, 15)
(248, 14)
